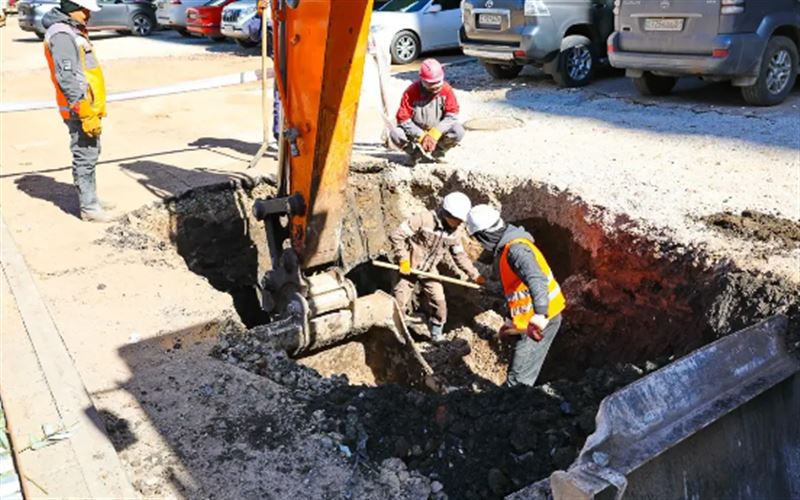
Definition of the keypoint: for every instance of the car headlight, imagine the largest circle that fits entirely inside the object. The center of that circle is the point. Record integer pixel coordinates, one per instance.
(376, 28)
(248, 11)
(536, 8)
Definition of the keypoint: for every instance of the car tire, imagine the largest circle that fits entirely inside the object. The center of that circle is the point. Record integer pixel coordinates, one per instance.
(654, 85)
(577, 61)
(405, 47)
(183, 32)
(502, 71)
(777, 74)
(245, 43)
(142, 24)
(40, 36)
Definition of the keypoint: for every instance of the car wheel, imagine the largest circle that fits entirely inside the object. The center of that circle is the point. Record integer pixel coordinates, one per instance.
(777, 75)
(40, 36)
(183, 32)
(649, 84)
(247, 44)
(141, 25)
(405, 47)
(502, 71)
(576, 62)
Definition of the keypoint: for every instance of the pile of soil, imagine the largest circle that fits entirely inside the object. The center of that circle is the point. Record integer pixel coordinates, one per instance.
(477, 441)
(758, 226)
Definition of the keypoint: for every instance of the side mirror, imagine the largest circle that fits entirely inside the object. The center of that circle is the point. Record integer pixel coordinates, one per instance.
(433, 9)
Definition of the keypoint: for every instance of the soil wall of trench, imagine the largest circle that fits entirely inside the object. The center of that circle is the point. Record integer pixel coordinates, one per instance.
(636, 300)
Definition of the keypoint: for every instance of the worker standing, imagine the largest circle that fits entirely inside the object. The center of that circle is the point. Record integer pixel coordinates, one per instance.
(427, 120)
(80, 95)
(420, 243)
(533, 296)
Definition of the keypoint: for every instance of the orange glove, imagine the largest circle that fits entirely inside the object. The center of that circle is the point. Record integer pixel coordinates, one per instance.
(90, 120)
(405, 267)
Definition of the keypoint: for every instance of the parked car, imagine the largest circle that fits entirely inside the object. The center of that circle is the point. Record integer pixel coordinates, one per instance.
(751, 43)
(124, 16)
(234, 17)
(206, 19)
(415, 26)
(172, 13)
(567, 38)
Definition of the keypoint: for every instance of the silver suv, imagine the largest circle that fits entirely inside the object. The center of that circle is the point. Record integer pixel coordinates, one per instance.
(754, 44)
(567, 38)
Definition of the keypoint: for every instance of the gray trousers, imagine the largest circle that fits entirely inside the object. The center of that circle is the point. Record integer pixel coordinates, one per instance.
(85, 152)
(529, 355)
(449, 139)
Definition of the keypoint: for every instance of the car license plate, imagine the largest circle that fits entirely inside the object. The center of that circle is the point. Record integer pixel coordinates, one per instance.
(660, 24)
(489, 20)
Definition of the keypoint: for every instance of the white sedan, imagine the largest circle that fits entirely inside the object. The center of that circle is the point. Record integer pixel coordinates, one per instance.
(411, 27)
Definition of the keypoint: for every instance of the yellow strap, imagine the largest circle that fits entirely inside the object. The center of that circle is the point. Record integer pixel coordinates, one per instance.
(435, 133)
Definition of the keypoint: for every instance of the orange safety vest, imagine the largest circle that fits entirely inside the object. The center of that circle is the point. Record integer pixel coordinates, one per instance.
(518, 296)
(96, 91)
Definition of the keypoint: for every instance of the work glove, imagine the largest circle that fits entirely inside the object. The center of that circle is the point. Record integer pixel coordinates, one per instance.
(405, 267)
(90, 120)
(506, 331)
(536, 326)
(428, 143)
(480, 280)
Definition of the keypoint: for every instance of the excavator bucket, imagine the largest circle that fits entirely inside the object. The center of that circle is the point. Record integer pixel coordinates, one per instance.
(722, 422)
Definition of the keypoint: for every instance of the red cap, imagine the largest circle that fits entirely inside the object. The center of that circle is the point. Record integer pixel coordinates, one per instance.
(431, 71)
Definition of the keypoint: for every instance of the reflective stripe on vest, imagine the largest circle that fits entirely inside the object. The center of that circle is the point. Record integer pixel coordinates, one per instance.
(518, 296)
(96, 88)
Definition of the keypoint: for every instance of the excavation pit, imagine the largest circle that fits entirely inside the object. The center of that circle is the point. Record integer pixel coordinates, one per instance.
(636, 301)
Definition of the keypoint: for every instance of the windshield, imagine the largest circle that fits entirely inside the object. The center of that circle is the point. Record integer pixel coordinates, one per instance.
(403, 6)
(215, 3)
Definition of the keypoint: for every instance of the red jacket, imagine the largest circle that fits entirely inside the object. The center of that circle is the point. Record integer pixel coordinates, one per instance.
(420, 110)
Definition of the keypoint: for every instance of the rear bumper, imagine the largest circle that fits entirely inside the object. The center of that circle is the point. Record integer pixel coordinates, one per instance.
(537, 45)
(742, 60)
(171, 19)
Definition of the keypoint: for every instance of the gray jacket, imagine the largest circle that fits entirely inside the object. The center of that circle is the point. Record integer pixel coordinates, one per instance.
(66, 58)
(524, 265)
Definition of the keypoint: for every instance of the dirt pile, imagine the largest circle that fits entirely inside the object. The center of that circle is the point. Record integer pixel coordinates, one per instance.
(758, 226)
(477, 441)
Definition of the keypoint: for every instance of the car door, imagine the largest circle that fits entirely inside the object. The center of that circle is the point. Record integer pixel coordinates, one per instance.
(113, 15)
(439, 30)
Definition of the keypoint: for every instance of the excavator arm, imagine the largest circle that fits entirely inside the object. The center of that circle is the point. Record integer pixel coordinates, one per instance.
(320, 48)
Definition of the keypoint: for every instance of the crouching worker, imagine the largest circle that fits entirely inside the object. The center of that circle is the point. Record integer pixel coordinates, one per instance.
(420, 243)
(533, 296)
(427, 121)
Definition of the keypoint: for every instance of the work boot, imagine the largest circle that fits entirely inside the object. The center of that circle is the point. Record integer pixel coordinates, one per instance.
(107, 205)
(437, 333)
(95, 215)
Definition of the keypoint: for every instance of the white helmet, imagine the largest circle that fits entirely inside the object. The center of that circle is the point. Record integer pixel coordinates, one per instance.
(483, 217)
(457, 205)
(90, 5)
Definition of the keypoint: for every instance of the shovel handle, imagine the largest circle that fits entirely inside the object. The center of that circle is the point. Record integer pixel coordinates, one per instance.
(433, 276)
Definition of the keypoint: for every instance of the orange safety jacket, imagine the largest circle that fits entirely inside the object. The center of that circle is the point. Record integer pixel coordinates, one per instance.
(518, 296)
(95, 97)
